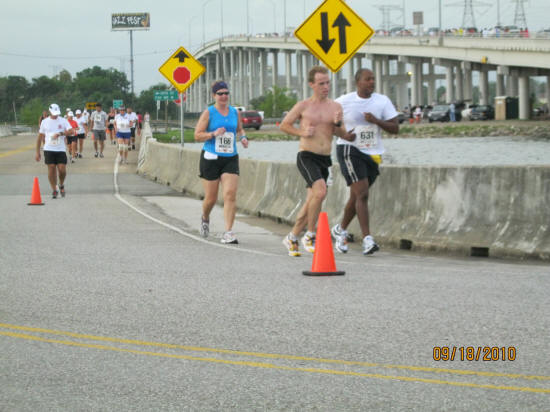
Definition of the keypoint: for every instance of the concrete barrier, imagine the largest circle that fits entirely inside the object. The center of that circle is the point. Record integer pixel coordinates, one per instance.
(483, 211)
(5, 131)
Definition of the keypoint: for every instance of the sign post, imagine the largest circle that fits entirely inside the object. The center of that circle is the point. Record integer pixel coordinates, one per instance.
(131, 22)
(333, 33)
(181, 69)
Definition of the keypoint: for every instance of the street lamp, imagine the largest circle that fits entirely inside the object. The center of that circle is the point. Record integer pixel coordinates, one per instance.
(203, 5)
(221, 19)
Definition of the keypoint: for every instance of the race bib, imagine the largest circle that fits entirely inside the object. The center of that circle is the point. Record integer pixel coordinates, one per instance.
(367, 136)
(224, 142)
(52, 141)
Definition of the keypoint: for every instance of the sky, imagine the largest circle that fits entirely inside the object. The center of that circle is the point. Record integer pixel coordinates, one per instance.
(44, 37)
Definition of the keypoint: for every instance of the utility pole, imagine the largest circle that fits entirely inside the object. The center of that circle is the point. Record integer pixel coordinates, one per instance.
(519, 17)
(386, 15)
(468, 18)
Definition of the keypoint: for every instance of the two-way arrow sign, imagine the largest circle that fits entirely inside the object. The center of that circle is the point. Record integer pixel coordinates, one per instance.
(334, 33)
(341, 22)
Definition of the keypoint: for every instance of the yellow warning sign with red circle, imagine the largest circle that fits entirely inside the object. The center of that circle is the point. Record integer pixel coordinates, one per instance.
(182, 69)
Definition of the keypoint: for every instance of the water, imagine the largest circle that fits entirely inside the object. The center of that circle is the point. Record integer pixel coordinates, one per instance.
(448, 151)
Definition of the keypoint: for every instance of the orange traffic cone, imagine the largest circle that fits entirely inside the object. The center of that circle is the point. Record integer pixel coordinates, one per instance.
(36, 200)
(323, 258)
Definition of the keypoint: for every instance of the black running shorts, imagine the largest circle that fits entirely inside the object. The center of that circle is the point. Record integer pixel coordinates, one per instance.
(55, 158)
(213, 169)
(356, 165)
(313, 166)
(72, 139)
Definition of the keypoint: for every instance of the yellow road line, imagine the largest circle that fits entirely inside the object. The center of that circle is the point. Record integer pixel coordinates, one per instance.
(275, 356)
(277, 367)
(21, 149)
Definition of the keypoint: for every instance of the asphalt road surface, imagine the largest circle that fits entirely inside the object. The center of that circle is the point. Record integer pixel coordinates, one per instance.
(110, 301)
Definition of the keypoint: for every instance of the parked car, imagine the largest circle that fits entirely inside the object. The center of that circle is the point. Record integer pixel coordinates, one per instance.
(401, 117)
(482, 112)
(441, 113)
(468, 111)
(251, 118)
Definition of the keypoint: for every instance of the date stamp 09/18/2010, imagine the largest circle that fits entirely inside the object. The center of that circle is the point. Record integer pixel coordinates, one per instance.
(474, 353)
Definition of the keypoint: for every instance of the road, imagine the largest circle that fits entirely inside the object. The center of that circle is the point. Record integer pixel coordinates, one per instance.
(109, 300)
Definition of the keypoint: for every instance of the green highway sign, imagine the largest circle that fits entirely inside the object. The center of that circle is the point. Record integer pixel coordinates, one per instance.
(166, 95)
(117, 104)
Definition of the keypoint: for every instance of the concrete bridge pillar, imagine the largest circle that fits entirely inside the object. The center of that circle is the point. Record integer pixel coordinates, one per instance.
(263, 70)
(231, 77)
(432, 92)
(300, 75)
(218, 66)
(483, 86)
(524, 103)
(459, 84)
(512, 84)
(252, 73)
(450, 94)
(385, 74)
(500, 87)
(208, 79)
(416, 83)
(349, 80)
(467, 82)
(305, 68)
(275, 68)
(288, 69)
(246, 74)
(402, 96)
(378, 74)
(199, 95)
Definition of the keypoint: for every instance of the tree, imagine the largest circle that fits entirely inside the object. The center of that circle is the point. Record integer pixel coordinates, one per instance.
(13, 92)
(276, 101)
(31, 111)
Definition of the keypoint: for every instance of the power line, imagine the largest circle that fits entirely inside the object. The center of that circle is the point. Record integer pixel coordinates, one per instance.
(34, 56)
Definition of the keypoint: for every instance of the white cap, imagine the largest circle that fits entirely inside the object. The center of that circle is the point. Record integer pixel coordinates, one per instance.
(78, 111)
(54, 109)
(68, 109)
(70, 114)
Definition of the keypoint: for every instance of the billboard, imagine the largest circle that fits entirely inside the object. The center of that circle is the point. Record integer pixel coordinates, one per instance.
(130, 21)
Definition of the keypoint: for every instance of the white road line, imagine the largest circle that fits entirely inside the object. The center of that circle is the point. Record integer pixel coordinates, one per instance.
(176, 229)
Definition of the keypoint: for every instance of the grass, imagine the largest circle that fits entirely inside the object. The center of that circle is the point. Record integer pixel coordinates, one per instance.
(174, 136)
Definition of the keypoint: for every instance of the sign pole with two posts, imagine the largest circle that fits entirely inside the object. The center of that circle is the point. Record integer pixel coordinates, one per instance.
(181, 69)
(131, 22)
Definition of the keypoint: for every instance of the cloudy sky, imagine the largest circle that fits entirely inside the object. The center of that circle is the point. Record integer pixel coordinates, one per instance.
(43, 37)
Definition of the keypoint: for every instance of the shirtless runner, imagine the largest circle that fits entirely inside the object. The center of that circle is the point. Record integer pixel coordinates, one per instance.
(320, 119)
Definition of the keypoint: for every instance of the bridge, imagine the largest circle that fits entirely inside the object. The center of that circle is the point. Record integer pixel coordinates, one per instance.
(251, 65)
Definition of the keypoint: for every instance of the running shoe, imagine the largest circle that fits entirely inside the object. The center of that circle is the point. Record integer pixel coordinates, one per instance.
(309, 243)
(341, 238)
(205, 228)
(96, 154)
(54, 194)
(369, 245)
(80, 155)
(62, 190)
(229, 238)
(72, 159)
(133, 147)
(292, 246)
(101, 155)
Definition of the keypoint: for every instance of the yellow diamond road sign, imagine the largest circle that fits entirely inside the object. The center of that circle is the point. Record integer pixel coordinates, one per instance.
(181, 69)
(333, 33)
